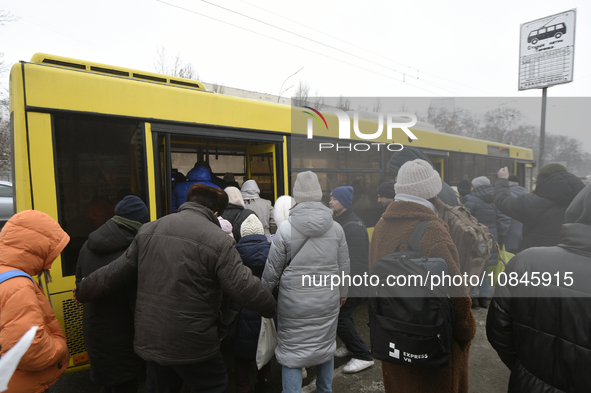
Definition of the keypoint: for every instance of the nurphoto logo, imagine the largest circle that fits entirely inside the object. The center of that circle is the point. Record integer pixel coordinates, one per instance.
(392, 120)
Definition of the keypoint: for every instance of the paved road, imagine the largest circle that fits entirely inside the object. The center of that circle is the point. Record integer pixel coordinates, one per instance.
(487, 373)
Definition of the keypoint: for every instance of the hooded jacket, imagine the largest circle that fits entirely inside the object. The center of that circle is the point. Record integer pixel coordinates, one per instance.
(198, 174)
(397, 224)
(30, 241)
(108, 322)
(236, 212)
(542, 213)
(183, 263)
(307, 314)
(262, 207)
(410, 153)
(541, 332)
(514, 235)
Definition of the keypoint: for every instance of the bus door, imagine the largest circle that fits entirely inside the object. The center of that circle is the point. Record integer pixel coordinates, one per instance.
(233, 156)
(260, 166)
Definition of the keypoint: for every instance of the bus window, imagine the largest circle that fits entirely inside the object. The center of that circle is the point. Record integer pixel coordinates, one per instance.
(98, 161)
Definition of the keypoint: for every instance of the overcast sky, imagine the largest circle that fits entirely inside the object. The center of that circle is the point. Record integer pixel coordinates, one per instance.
(418, 48)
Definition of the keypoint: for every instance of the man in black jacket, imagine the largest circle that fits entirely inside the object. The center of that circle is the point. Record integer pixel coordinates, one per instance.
(108, 322)
(183, 262)
(541, 329)
(541, 212)
(341, 200)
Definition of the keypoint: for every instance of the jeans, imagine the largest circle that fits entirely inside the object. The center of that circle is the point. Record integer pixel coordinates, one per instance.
(292, 378)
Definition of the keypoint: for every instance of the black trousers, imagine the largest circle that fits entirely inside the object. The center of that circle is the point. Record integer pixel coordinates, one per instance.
(130, 386)
(204, 377)
(348, 333)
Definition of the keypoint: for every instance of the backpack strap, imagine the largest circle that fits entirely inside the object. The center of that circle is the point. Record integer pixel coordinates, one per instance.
(415, 238)
(14, 273)
(417, 235)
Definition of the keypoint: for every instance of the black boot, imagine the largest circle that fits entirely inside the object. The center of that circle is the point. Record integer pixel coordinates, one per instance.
(261, 386)
(482, 301)
(475, 303)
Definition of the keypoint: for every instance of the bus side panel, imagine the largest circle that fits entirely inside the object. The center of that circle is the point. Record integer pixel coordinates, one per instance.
(151, 172)
(20, 156)
(44, 184)
(45, 199)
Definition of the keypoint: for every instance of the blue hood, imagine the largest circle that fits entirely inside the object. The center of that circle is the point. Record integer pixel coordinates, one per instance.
(199, 174)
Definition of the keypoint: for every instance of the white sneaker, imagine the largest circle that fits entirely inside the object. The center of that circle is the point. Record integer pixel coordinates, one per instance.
(342, 352)
(304, 373)
(356, 365)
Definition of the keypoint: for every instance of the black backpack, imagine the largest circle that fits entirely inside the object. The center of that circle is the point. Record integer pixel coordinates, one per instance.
(410, 324)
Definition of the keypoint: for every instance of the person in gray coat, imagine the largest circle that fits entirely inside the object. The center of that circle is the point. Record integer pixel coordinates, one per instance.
(307, 245)
(262, 207)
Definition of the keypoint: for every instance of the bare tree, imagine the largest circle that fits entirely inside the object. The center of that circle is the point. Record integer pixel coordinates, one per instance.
(344, 104)
(301, 95)
(377, 106)
(174, 67)
(318, 100)
(5, 151)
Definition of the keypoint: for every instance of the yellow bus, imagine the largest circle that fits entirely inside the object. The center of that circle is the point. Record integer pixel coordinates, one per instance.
(87, 134)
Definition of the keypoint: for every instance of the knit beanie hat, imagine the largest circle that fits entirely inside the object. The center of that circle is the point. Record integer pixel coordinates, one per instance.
(480, 181)
(549, 170)
(234, 196)
(464, 187)
(226, 226)
(307, 188)
(418, 178)
(251, 226)
(132, 208)
(344, 195)
(386, 189)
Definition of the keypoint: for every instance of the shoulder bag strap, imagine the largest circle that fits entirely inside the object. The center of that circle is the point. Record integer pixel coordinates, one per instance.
(14, 273)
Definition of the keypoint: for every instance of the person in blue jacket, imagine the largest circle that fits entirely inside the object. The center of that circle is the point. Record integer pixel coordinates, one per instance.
(254, 249)
(198, 174)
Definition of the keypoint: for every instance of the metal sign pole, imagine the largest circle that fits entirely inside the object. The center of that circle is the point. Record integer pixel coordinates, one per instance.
(542, 129)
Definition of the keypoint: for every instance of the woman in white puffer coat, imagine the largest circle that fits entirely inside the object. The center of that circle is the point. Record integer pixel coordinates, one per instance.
(308, 243)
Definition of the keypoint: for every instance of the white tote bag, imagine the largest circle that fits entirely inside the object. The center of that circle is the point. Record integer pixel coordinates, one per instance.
(267, 342)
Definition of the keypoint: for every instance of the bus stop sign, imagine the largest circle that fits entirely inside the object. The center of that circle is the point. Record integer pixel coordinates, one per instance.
(547, 51)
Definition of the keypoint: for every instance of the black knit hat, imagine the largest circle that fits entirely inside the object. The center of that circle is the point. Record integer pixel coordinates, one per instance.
(400, 158)
(549, 170)
(386, 189)
(464, 187)
(133, 208)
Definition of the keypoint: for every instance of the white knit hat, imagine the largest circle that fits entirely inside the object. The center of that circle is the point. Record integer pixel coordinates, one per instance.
(480, 181)
(251, 226)
(418, 178)
(307, 188)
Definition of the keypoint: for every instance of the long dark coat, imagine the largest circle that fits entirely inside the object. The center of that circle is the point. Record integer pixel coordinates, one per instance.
(397, 224)
(108, 322)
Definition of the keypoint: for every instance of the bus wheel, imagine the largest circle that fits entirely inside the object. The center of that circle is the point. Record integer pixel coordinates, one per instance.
(534, 41)
(557, 35)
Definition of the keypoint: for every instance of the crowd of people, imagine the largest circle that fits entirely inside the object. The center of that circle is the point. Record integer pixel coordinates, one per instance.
(161, 296)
